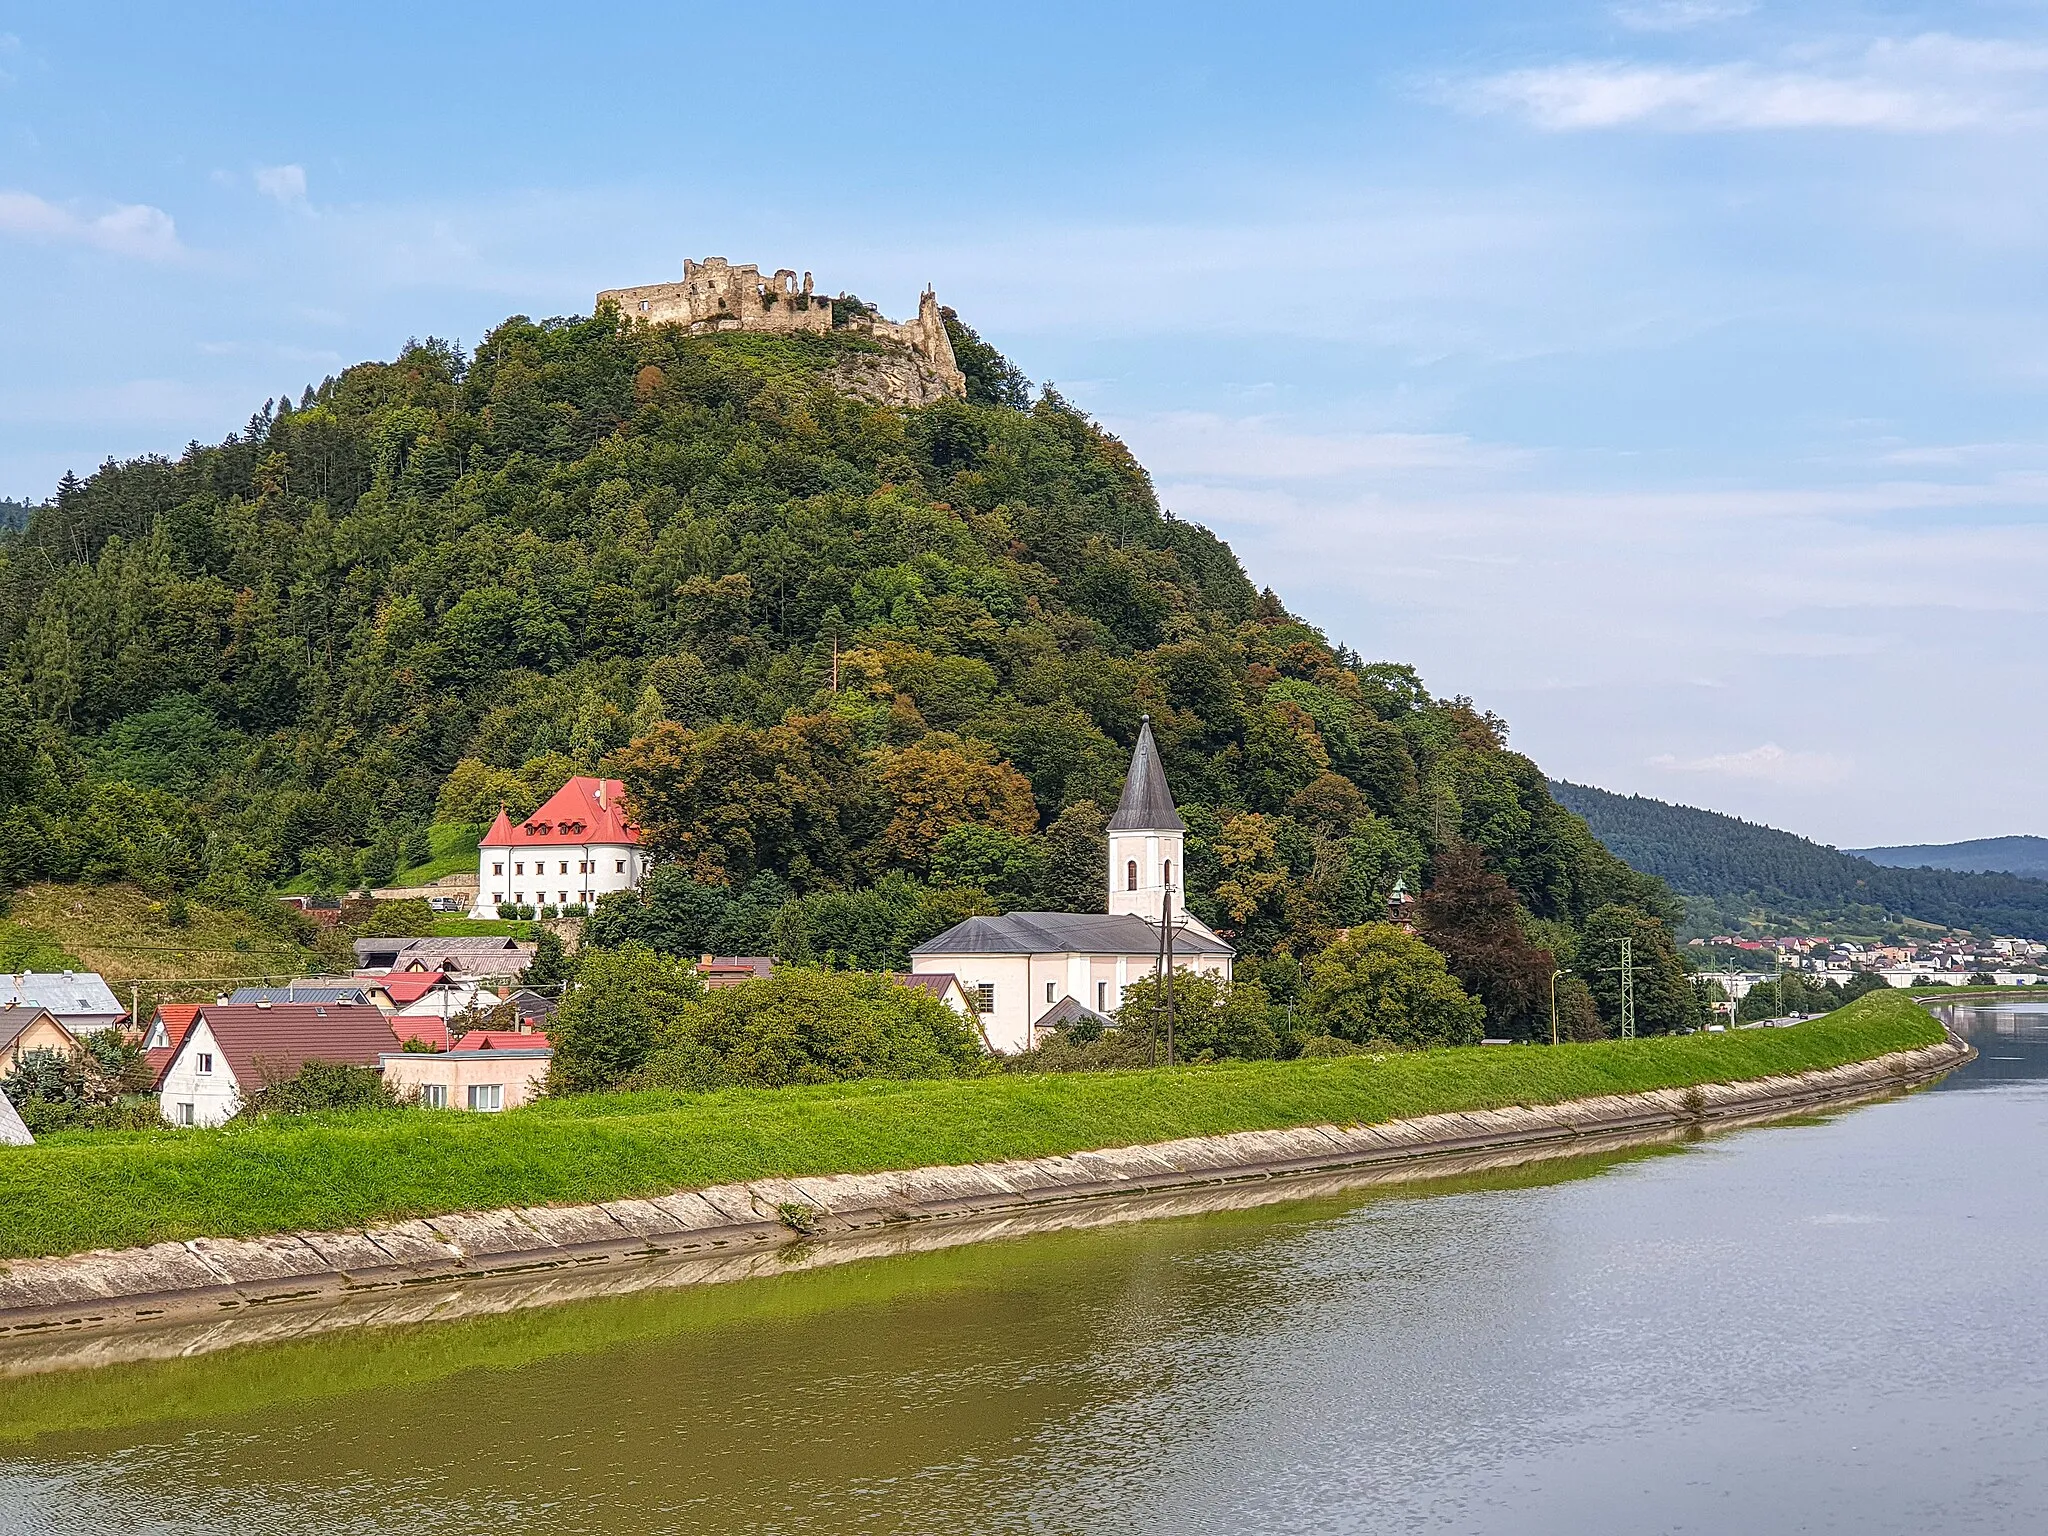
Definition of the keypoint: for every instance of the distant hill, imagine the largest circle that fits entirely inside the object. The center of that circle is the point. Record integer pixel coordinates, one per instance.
(1999, 855)
(1730, 871)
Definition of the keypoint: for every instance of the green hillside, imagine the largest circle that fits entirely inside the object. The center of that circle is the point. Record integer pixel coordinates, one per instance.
(433, 585)
(2027, 856)
(1734, 874)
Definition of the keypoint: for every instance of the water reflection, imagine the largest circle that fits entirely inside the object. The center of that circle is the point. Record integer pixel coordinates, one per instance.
(1817, 1326)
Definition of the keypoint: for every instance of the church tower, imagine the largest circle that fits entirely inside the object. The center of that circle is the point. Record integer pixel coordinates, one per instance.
(1145, 838)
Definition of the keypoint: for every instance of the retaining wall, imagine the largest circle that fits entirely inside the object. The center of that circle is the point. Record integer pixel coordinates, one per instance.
(553, 1252)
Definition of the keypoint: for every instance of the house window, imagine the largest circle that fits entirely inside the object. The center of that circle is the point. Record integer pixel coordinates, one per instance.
(519, 868)
(497, 869)
(622, 866)
(1102, 997)
(486, 1096)
(1131, 875)
(565, 866)
(985, 997)
(1048, 991)
(433, 1095)
(185, 1114)
(563, 897)
(203, 1063)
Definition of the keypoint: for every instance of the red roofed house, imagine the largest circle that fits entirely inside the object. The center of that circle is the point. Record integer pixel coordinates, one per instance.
(576, 848)
(231, 1050)
(166, 1033)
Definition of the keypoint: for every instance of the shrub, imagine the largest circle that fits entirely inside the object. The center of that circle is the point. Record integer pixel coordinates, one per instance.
(508, 911)
(1213, 1019)
(805, 1025)
(630, 1001)
(1381, 983)
(319, 1085)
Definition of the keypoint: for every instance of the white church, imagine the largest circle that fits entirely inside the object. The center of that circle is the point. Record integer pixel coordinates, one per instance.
(1029, 971)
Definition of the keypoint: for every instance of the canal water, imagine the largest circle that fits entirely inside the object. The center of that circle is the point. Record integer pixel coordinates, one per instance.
(1829, 1325)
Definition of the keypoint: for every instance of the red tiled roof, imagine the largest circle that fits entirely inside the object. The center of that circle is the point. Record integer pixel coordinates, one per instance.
(267, 1044)
(502, 1040)
(584, 810)
(426, 1029)
(177, 1021)
(410, 986)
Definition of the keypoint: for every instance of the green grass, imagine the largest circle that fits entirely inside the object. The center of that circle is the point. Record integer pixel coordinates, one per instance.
(117, 1189)
(126, 935)
(481, 928)
(455, 853)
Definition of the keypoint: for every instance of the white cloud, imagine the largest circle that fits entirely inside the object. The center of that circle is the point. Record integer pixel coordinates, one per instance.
(1680, 15)
(1933, 83)
(1769, 762)
(285, 183)
(131, 229)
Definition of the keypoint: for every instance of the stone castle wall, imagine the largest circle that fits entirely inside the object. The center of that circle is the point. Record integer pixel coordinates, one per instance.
(716, 295)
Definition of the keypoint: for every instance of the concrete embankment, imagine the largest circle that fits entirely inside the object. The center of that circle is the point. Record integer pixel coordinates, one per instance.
(210, 1293)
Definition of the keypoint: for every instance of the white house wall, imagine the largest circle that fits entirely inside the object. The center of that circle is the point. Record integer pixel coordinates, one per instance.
(535, 876)
(214, 1096)
(1020, 983)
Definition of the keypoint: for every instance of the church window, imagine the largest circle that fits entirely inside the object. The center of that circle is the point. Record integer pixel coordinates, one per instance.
(1102, 997)
(1166, 874)
(985, 997)
(1131, 875)
(1048, 991)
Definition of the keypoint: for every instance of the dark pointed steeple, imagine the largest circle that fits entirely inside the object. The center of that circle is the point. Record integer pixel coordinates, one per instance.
(1147, 804)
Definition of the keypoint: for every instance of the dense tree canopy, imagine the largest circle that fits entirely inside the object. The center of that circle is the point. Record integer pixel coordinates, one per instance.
(817, 636)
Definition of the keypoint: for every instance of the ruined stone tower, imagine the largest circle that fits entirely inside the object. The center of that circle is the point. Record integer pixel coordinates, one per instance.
(715, 295)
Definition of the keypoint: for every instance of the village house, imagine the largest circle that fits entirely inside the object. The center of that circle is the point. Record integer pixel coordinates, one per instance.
(301, 992)
(230, 1051)
(79, 1000)
(31, 1029)
(1020, 967)
(488, 958)
(732, 970)
(483, 1071)
(576, 848)
(947, 988)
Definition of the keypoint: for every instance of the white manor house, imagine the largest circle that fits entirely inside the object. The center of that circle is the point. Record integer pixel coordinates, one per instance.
(576, 848)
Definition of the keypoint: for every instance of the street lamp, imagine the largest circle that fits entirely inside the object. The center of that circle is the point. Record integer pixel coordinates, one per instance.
(1565, 971)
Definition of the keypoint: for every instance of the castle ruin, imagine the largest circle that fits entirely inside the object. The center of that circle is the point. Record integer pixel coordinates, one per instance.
(716, 295)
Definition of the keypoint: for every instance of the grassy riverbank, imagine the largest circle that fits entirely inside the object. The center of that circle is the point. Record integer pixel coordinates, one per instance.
(84, 1190)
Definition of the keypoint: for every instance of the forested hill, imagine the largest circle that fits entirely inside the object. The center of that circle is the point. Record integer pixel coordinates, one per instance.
(2004, 855)
(431, 585)
(1729, 869)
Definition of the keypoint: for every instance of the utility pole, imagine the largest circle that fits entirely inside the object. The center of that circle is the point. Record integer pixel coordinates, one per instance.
(1628, 989)
(1166, 947)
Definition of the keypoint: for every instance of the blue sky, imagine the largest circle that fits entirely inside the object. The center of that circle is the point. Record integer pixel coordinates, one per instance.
(1667, 375)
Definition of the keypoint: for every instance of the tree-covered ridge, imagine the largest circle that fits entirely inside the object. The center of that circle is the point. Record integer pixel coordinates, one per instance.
(438, 583)
(1729, 870)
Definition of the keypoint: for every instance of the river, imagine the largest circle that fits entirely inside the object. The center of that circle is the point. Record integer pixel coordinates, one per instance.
(1826, 1325)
